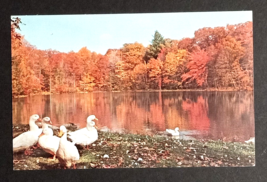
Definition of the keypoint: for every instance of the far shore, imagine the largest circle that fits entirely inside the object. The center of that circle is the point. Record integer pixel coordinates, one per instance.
(149, 90)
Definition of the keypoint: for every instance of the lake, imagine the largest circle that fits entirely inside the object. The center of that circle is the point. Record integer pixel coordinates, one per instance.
(202, 115)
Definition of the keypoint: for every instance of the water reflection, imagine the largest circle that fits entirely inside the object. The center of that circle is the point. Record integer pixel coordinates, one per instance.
(215, 115)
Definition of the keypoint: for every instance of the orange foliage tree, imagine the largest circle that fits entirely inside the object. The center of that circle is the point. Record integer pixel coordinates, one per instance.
(140, 76)
(15, 57)
(174, 67)
(197, 67)
(155, 73)
(113, 57)
(100, 72)
(132, 55)
(220, 57)
(227, 65)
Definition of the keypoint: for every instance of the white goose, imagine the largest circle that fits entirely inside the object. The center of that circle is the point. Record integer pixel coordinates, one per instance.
(87, 135)
(47, 141)
(29, 138)
(67, 153)
(174, 132)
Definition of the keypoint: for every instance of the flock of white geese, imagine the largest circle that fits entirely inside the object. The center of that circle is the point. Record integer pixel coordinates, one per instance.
(58, 146)
(66, 151)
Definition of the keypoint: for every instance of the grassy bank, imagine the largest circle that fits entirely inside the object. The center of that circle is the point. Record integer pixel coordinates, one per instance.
(114, 150)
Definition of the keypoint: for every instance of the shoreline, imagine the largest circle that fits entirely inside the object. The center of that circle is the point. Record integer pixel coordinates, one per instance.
(138, 91)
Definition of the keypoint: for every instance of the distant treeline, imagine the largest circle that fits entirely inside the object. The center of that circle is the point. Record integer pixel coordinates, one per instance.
(216, 58)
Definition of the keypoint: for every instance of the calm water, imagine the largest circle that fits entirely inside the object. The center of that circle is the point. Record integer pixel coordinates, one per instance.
(208, 115)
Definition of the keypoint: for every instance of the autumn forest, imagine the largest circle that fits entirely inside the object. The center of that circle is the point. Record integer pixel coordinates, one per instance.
(219, 58)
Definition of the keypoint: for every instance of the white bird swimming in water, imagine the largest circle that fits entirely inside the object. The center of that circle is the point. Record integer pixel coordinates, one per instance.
(87, 135)
(67, 152)
(174, 132)
(28, 139)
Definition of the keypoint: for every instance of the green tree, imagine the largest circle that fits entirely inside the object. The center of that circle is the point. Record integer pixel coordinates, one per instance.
(153, 50)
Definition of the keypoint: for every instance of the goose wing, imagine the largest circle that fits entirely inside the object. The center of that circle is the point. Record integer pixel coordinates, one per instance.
(25, 140)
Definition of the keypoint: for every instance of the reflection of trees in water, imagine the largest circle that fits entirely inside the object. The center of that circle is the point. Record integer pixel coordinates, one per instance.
(172, 106)
(97, 104)
(137, 110)
(23, 108)
(231, 115)
(197, 112)
(130, 116)
(222, 112)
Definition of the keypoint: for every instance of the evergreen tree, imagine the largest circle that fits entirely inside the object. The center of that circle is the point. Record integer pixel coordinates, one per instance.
(155, 48)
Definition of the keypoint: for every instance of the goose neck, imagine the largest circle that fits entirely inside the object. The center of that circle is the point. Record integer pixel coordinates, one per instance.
(33, 125)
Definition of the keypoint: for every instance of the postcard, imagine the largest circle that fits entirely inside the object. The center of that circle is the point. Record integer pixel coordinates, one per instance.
(148, 90)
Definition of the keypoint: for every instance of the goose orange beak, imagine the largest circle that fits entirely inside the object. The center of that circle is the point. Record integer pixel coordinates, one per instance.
(95, 119)
(39, 120)
(60, 133)
(41, 134)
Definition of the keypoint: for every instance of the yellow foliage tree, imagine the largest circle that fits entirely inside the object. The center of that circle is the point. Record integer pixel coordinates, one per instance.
(174, 67)
(155, 73)
(132, 55)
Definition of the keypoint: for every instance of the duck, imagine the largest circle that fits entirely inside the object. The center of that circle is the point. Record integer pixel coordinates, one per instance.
(33, 125)
(28, 139)
(87, 135)
(47, 141)
(174, 132)
(46, 121)
(67, 152)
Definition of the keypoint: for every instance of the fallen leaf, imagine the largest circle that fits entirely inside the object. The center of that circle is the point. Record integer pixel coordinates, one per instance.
(212, 164)
(92, 165)
(105, 166)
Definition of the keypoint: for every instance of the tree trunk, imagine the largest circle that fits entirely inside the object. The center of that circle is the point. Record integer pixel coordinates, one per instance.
(159, 81)
(50, 80)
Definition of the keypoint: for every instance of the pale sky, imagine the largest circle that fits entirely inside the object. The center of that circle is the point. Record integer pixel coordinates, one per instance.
(99, 33)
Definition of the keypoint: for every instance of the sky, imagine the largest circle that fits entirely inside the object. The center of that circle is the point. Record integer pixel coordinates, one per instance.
(101, 32)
